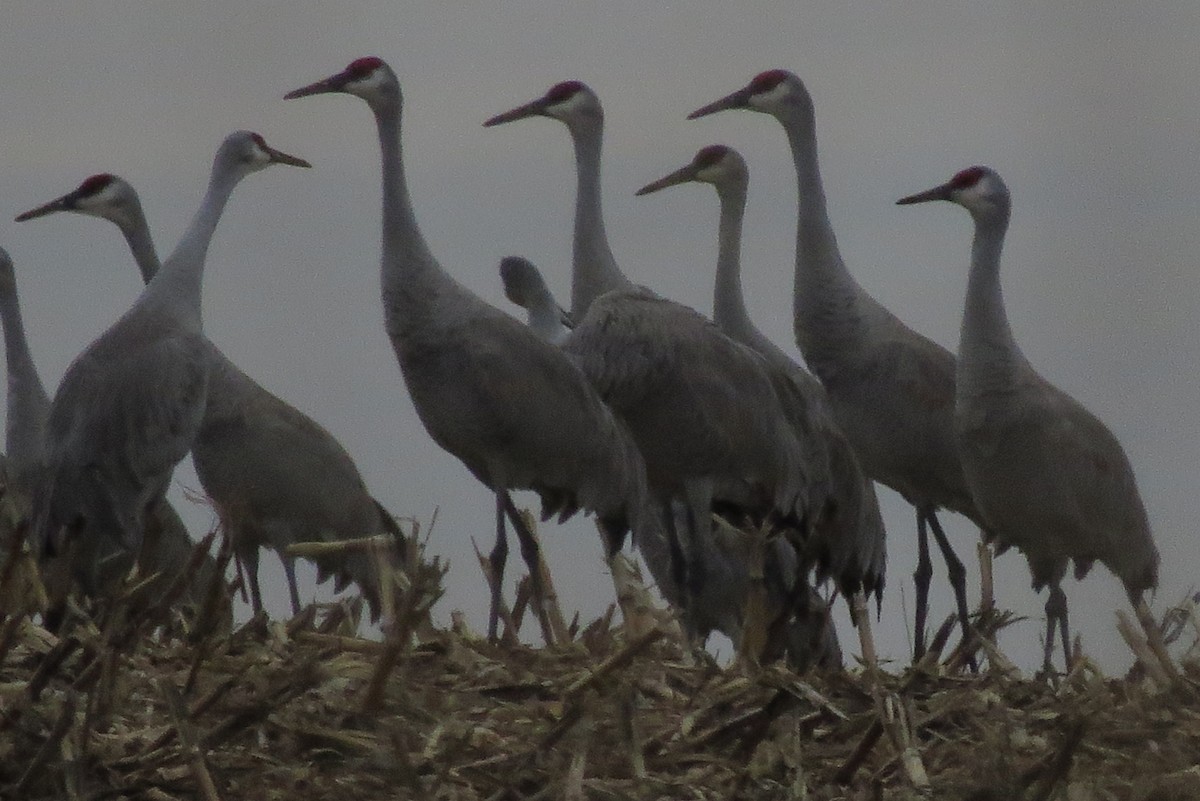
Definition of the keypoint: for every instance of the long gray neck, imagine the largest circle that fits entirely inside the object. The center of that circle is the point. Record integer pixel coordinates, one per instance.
(729, 304)
(28, 404)
(830, 307)
(411, 279)
(989, 358)
(595, 271)
(137, 234)
(176, 288)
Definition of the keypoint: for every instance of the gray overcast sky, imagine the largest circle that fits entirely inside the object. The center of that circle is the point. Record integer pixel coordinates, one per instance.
(1090, 112)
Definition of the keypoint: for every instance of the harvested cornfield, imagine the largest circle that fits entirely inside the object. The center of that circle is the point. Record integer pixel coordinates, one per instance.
(132, 707)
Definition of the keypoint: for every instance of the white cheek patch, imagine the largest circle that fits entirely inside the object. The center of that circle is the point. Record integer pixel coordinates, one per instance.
(771, 97)
(368, 84)
(573, 104)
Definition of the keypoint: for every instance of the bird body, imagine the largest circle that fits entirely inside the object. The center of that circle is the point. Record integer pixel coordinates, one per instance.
(275, 475)
(510, 406)
(849, 536)
(701, 407)
(28, 410)
(129, 406)
(1047, 475)
(891, 389)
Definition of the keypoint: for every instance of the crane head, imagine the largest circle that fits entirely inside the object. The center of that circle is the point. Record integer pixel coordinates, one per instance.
(369, 78)
(979, 190)
(246, 152)
(102, 195)
(568, 102)
(719, 165)
(767, 92)
(523, 282)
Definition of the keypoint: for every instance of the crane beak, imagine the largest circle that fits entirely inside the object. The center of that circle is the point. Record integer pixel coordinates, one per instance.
(334, 83)
(279, 157)
(738, 99)
(680, 176)
(64, 203)
(531, 109)
(937, 193)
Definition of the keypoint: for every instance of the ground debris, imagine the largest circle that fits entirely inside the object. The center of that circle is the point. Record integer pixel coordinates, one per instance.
(307, 709)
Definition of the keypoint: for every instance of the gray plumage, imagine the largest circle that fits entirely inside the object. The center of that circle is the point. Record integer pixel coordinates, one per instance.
(726, 562)
(511, 407)
(25, 429)
(1047, 475)
(275, 475)
(130, 405)
(525, 287)
(848, 541)
(892, 389)
(700, 406)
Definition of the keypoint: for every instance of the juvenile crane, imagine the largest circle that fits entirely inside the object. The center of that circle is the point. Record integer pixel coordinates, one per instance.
(275, 475)
(1047, 475)
(25, 434)
(701, 407)
(892, 389)
(848, 541)
(525, 287)
(130, 406)
(511, 407)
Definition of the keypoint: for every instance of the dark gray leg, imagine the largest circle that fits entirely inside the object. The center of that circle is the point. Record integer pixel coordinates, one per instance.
(530, 549)
(921, 578)
(1056, 616)
(497, 559)
(289, 570)
(958, 575)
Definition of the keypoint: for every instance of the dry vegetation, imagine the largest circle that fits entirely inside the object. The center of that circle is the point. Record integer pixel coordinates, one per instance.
(139, 705)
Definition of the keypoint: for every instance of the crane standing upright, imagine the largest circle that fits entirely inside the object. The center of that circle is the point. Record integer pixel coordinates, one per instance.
(129, 406)
(1047, 475)
(701, 407)
(275, 475)
(511, 407)
(892, 389)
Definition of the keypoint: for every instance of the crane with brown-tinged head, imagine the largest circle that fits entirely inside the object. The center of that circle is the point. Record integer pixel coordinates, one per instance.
(1048, 477)
(275, 475)
(525, 287)
(129, 406)
(513, 408)
(892, 389)
(847, 541)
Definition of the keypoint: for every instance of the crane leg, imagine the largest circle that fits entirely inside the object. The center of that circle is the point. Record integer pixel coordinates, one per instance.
(679, 567)
(958, 580)
(921, 578)
(1056, 619)
(249, 560)
(530, 550)
(289, 570)
(497, 559)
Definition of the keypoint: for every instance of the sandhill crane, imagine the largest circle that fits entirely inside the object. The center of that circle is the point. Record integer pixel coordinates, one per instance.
(275, 475)
(849, 533)
(524, 286)
(129, 407)
(727, 565)
(892, 389)
(1047, 475)
(511, 407)
(594, 270)
(701, 407)
(25, 432)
